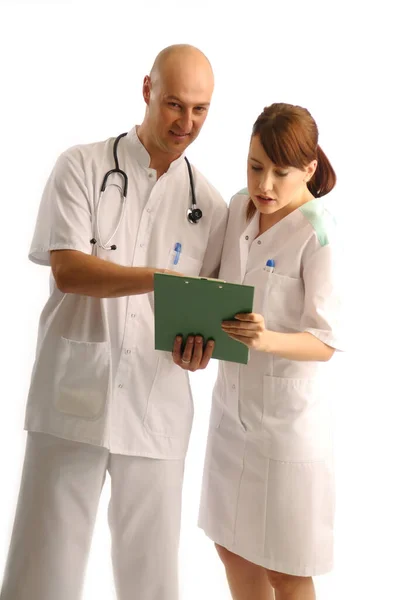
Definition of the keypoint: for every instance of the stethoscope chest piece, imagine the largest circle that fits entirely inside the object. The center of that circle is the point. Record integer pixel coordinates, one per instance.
(194, 215)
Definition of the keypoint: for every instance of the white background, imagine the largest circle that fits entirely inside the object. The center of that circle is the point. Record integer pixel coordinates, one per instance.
(71, 72)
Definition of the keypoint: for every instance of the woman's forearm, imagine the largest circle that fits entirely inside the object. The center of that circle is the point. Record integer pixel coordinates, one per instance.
(297, 346)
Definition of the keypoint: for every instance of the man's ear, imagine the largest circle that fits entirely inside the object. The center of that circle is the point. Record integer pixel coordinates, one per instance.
(146, 89)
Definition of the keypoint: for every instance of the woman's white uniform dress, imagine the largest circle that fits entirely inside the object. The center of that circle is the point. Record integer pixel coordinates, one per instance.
(268, 490)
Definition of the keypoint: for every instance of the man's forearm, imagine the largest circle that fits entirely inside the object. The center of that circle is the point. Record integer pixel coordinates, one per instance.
(79, 273)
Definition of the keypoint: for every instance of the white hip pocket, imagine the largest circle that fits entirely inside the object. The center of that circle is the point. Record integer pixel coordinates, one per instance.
(170, 406)
(296, 419)
(82, 378)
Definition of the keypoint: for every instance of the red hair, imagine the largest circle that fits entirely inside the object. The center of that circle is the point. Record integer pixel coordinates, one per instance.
(289, 136)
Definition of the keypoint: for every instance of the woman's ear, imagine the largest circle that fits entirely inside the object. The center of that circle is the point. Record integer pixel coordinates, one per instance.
(310, 170)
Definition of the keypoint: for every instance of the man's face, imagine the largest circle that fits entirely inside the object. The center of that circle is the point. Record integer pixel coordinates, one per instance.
(177, 106)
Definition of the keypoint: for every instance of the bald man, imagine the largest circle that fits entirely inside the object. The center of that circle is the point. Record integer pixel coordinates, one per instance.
(101, 399)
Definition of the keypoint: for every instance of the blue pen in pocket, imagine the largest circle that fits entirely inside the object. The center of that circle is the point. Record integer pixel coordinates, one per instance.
(177, 253)
(270, 265)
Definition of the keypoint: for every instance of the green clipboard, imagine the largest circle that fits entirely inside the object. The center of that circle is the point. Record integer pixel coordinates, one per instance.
(197, 306)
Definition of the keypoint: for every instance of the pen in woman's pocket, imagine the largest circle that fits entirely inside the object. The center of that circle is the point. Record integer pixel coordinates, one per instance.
(270, 265)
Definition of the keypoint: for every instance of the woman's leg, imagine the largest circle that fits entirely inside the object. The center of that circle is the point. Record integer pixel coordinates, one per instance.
(290, 587)
(246, 580)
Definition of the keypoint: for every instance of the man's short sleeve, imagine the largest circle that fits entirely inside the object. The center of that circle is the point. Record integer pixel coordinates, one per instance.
(64, 221)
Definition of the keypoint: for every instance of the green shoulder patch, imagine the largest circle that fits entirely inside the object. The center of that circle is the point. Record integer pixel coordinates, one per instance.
(243, 191)
(320, 218)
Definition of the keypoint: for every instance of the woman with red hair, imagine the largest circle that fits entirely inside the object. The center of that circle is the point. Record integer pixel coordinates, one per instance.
(268, 493)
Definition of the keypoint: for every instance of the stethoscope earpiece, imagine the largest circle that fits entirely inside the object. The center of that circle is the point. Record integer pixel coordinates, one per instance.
(94, 241)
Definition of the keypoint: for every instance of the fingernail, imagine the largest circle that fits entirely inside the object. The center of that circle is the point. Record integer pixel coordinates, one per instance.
(198, 340)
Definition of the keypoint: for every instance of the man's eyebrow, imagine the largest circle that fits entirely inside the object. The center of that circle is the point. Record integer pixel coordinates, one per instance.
(181, 102)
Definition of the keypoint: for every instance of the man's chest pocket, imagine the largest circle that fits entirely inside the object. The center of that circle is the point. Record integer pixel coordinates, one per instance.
(283, 300)
(186, 263)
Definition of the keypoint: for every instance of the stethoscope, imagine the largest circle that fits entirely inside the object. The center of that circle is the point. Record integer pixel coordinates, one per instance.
(194, 214)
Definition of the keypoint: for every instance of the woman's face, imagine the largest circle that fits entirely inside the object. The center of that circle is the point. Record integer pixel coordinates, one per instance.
(273, 188)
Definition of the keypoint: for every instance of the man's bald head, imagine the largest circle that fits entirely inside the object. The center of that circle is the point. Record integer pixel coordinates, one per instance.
(180, 56)
(177, 93)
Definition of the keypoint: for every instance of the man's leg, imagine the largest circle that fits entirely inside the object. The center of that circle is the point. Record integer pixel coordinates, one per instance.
(58, 500)
(145, 519)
